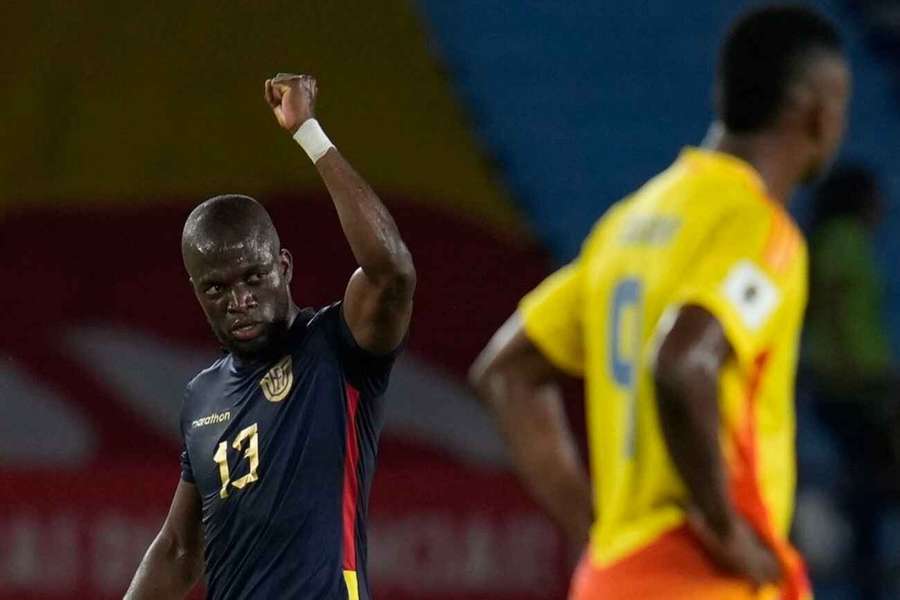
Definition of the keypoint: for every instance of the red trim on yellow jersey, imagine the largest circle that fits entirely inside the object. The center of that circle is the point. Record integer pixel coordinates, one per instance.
(747, 494)
(673, 567)
(783, 241)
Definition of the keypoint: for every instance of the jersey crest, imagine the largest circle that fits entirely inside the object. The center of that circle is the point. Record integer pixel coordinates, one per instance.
(278, 381)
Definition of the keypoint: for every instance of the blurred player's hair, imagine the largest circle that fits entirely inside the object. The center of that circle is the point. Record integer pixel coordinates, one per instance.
(765, 51)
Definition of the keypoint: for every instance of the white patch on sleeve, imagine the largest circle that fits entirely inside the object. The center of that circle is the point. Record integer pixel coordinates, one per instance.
(752, 293)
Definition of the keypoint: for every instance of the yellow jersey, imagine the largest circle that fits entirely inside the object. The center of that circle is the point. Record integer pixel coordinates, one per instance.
(702, 233)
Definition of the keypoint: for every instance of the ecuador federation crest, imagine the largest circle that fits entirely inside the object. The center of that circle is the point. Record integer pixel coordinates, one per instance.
(278, 381)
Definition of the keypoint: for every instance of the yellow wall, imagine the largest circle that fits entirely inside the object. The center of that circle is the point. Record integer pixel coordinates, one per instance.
(124, 101)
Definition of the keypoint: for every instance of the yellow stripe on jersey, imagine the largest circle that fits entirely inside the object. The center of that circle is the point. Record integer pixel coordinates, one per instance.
(352, 585)
(702, 232)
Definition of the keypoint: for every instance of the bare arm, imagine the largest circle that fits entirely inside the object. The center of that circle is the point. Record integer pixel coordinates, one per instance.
(174, 561)
(686, 373)
(378, 300)
(517, 385)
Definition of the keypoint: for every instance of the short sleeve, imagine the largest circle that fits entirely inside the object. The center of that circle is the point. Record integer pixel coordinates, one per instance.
(366, 371)
(551, 316)
(739, 275)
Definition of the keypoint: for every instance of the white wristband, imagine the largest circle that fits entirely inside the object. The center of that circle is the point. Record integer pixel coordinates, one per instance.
(313, 140)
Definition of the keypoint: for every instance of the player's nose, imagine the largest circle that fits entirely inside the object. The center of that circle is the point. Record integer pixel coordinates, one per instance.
(241, 299)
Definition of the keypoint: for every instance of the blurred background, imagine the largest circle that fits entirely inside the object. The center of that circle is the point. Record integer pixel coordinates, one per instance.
(497, 133)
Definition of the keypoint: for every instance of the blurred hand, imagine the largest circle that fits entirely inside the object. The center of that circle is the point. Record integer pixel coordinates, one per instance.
(741, 552)
(292, 98)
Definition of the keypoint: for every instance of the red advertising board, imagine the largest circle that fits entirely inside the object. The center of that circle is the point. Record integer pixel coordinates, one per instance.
(443, 532)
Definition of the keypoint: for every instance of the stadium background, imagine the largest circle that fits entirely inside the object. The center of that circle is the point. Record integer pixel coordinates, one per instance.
(496, 132)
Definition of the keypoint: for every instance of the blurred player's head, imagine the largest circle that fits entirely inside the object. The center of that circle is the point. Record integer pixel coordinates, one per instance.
(782, 71)
(240, 273)
(850, 191)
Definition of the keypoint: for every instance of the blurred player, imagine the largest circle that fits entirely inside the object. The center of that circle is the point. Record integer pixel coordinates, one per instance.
(280, 435)
(683, 313)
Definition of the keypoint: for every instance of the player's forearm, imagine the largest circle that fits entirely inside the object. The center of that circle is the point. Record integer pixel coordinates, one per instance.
(370, 230)
(167, 571)
(533, 424)
(687, 401)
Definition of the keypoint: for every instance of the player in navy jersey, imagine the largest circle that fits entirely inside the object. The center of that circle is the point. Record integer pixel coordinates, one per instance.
(280, 434)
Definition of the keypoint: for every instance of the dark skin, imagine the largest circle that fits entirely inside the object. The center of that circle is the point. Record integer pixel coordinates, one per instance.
(378, 299)
(520, 388)
(518, 385)
(241, 277)
(174, 562)
(686, 374)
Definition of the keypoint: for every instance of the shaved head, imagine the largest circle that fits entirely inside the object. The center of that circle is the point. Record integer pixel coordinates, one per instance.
(240, 274)
(224, 223)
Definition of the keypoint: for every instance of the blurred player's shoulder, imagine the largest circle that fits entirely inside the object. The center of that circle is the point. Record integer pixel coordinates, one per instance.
(702, 181)
(604, 227)
(704, 201)
(700, 186)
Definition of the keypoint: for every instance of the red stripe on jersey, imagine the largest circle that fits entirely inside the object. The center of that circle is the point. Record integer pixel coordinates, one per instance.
(351, 481)
(748, 496)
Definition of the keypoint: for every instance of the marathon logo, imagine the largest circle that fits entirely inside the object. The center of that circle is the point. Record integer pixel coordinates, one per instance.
(213, 419)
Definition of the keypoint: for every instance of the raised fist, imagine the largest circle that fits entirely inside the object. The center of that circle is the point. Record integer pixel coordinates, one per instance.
(292, 98)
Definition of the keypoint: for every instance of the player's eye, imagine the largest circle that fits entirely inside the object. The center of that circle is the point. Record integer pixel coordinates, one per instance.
(257, 276)
(212, 291)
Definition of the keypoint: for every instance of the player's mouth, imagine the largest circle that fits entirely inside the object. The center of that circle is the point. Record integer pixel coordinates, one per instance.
(246, 331)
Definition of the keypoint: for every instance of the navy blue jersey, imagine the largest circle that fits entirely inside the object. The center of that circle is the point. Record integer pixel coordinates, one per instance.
(282, 454)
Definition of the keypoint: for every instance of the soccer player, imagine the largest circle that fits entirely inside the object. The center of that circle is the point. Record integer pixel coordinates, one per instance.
(682, 314)
(280, 434)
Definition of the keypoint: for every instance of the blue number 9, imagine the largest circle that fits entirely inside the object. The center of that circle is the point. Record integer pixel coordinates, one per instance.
(625, 352)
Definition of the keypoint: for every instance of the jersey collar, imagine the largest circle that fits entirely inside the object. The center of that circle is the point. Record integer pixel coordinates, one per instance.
(725, 164)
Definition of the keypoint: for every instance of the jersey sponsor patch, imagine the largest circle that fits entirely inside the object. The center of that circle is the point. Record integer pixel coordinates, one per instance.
(213, 419)
(751, 293)
(277, 382)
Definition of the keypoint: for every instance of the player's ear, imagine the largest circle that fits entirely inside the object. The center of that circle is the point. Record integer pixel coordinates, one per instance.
(808, 108)
(286, 264)
(819, 121)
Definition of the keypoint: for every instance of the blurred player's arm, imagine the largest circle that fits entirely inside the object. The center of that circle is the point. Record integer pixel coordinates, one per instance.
(520, 389)
(174, 561)
(686, 374)
(378, 300)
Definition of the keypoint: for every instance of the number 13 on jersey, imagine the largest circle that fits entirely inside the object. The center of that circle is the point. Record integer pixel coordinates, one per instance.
(251, 454)
(624, 349)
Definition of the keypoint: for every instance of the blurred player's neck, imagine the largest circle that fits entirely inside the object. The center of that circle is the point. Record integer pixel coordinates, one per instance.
(771, 154)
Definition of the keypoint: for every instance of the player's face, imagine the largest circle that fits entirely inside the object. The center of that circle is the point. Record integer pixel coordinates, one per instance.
(834, 84)
(243, 289)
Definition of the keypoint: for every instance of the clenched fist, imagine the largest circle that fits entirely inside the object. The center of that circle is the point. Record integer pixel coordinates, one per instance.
(292, 98)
